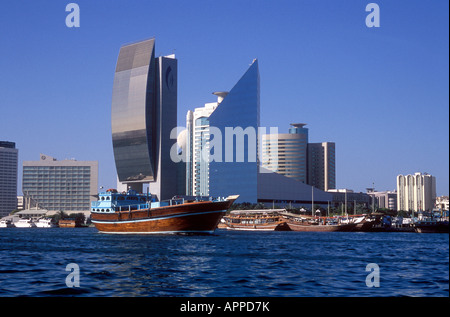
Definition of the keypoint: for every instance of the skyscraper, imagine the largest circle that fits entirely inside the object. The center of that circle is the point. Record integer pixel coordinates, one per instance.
(286, 153)
(416, 192)
(198, 163)
(144, 112)
(322, 165)
(66, 185)
(8, 177)
(234, 167)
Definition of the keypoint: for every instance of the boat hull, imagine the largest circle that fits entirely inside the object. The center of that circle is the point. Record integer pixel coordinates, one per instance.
(432, 228)
(278, 226)
(320, 228)
(196, 217)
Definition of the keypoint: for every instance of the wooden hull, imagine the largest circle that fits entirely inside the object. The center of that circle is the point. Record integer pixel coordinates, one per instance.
(277, 226)
(432, 228)
(195, 217)
(320, 228)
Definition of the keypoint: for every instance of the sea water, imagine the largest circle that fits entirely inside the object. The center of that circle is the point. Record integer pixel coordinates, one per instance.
(39, 262)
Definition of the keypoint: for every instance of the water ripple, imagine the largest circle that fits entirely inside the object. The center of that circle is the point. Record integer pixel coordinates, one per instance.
(225, 264)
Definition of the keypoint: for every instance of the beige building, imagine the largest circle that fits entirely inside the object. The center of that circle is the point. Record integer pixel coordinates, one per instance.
(66, 185)
(416, 192)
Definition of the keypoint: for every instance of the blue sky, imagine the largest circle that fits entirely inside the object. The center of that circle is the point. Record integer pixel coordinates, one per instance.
(381, 94)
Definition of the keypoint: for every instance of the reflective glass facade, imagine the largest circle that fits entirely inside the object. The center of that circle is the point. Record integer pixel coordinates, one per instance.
(133, 112)
(240, 108)
(8, 177)
(143, 114)
(322, 165)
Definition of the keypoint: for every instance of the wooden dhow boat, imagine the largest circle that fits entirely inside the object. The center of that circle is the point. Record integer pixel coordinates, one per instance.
(318, 224)
(255, 220)
(131, 212)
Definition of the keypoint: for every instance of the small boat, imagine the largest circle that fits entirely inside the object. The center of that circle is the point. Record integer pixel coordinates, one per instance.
(255, 220)
(131, 212)
(431, 226)
(67, 223)
(318, 224)
(24, 223)
(45, 223)
(6, 224)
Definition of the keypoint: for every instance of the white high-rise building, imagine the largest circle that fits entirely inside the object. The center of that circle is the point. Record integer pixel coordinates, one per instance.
(197, 148)
(416, 192)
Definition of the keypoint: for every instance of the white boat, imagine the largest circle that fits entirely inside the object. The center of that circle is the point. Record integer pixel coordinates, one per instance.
(45, 223)
(5, 224)
(24, 223)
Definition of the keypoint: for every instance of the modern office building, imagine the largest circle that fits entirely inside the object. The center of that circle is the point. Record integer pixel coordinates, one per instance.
(227, 132)
(286, 153)
(198, 151)
(234, 167)
(416, 192)
(385, 199)
(322, 165)
(143, 114)
(290, 154)
(8, 177)
(66, 185)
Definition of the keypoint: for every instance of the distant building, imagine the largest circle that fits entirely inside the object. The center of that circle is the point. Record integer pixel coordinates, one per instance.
(290, 154)
(416, 192)
(66, 185)
(347, 199)
(322, 165)
(8, 177)
(286, 153)
(442, 203)
(384, 199)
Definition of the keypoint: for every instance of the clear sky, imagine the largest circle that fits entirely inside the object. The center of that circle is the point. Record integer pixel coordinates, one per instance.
(381, 94)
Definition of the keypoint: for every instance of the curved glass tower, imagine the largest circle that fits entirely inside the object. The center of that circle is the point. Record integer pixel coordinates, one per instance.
(133, 112)
(143, 114)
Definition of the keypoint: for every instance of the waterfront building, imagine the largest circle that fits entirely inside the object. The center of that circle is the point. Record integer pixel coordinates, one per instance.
(8, 177)
(197, 169)
(143, 115)
(286, 153)
(383, 199)
(416, 192)
(234, 169)
(322, 165)
(66, 185)
(290, 154)
(275, 189)
(442, 203)
(347, 200)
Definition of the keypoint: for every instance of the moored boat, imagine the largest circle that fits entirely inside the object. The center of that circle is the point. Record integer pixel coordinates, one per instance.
(318, 224)
(255, 220)
(45, 223)
(6, 224)
(24, 223)
(431, 226)
(131, 212)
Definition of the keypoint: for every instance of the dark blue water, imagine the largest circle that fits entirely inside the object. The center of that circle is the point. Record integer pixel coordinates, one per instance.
(283, 264)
